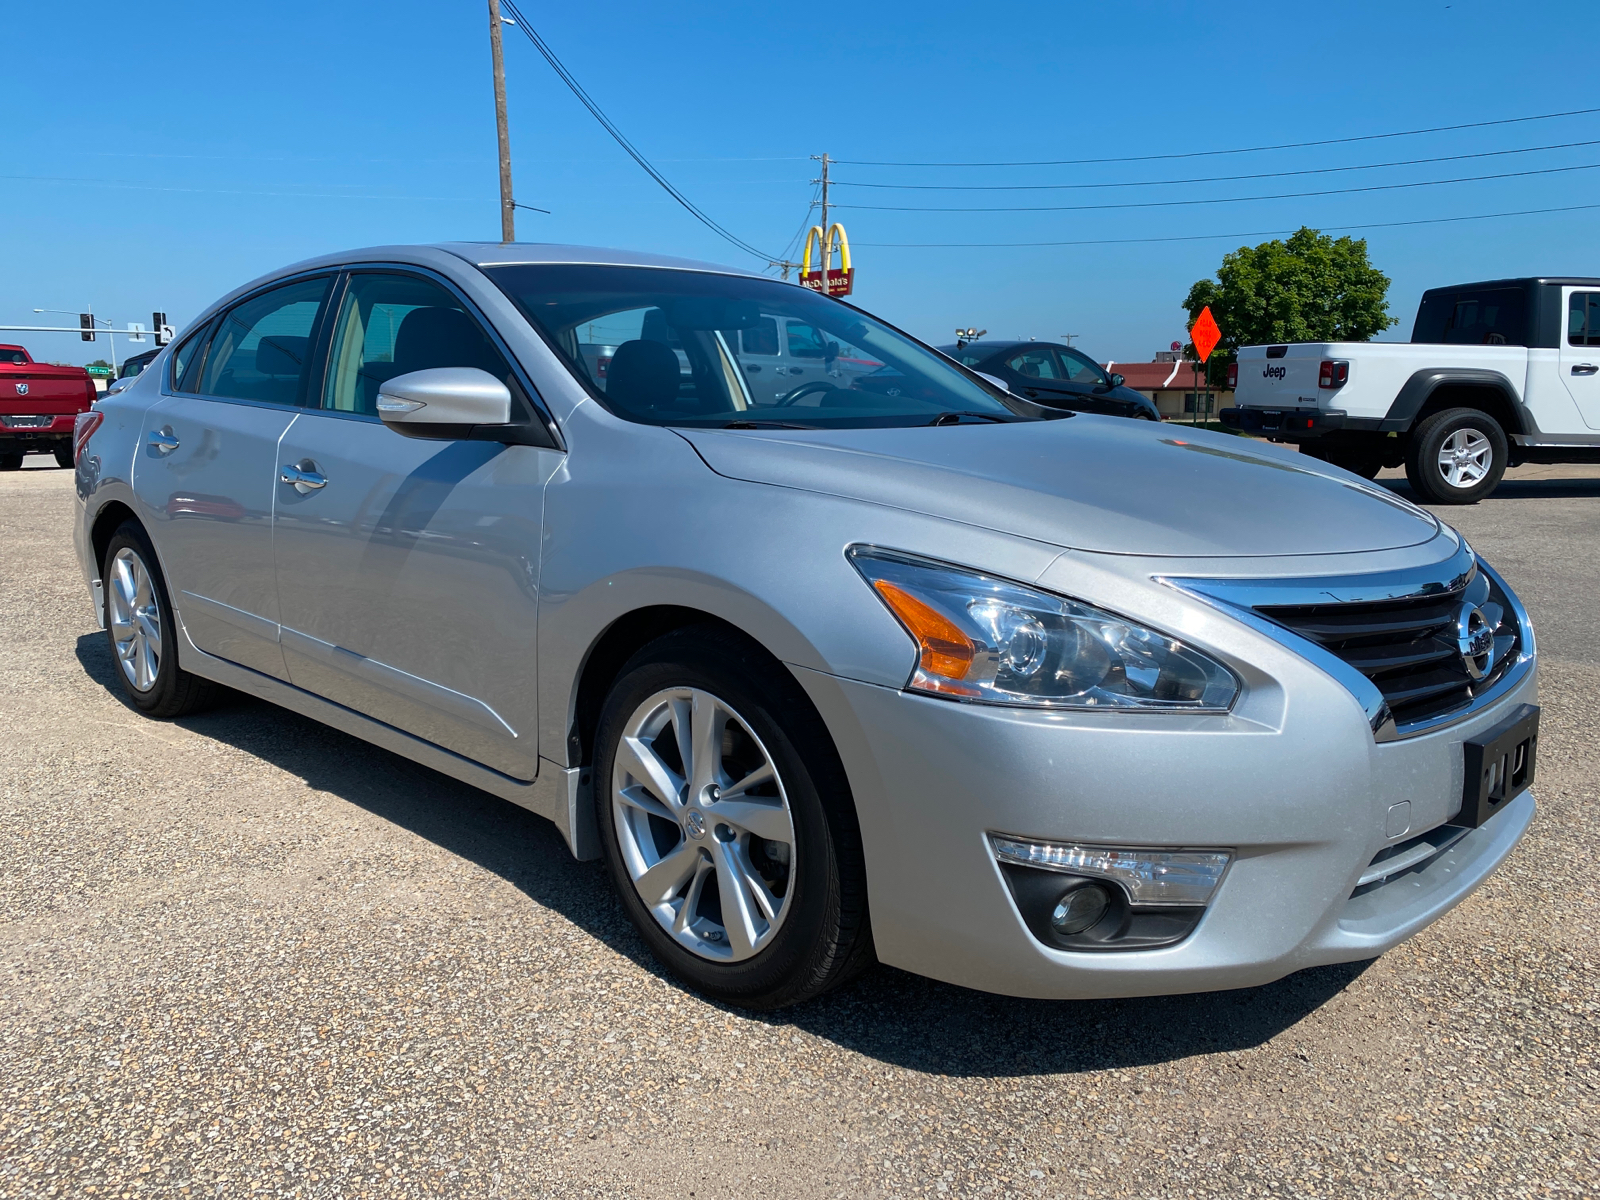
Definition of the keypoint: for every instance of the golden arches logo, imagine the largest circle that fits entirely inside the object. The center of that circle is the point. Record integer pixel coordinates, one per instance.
(828, 279)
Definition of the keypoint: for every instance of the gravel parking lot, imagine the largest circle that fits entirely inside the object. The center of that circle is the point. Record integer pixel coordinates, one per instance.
(246, 955)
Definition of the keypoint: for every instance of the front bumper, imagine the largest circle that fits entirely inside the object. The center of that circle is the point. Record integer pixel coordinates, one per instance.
(1303, 805)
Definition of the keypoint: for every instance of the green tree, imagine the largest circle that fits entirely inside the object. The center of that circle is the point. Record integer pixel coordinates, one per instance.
(1310, 288)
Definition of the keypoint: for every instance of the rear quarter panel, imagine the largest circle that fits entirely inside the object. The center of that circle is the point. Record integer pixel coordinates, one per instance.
(1378, 370)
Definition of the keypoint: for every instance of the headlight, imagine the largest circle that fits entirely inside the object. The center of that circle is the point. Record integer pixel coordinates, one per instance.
(993, 642)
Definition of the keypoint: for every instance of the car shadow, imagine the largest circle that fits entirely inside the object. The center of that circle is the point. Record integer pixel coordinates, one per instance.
(887, 1014)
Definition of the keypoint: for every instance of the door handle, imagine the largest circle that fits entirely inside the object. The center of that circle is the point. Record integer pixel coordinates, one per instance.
(304, 477)
(163, 440)
(1585, 369)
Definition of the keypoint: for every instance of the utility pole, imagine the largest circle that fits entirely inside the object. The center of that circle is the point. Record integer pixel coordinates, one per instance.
(825, 161)
(508, 208)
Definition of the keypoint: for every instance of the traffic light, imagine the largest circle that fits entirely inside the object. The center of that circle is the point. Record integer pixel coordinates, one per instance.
(86, 323)
(158, 322)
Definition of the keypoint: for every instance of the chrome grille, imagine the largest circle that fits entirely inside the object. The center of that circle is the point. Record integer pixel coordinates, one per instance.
(1408, 648)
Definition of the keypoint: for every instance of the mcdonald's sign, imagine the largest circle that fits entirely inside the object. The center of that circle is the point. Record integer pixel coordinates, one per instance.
(828, 279)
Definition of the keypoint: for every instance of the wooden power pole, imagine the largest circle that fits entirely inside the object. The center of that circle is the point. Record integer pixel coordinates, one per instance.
(508, 208)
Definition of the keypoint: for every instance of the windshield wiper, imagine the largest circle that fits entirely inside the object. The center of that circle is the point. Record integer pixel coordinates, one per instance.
(765, 425)
(954, 418)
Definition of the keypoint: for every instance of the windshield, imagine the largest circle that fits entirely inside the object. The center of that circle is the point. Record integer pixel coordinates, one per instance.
(671, 347)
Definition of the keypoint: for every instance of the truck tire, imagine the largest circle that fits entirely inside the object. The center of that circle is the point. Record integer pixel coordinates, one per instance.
(64, 456)
(1365, 463)
(1456, 456)
(10, 461)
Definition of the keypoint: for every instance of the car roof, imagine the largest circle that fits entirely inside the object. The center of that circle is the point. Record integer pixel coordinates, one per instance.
(1581, 280)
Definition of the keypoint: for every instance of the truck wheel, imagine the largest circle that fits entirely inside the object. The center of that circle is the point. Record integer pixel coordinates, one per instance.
(64, 456)
(1456, 456)
(727, 823)
(10, 462)
(142, 633)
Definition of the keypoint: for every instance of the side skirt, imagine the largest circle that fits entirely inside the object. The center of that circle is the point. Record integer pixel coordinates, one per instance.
(559, 794)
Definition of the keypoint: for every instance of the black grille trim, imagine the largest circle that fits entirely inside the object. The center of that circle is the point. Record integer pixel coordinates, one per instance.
(1407, 647)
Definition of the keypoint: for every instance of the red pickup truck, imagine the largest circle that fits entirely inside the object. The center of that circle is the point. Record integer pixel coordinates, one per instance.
(38, 404)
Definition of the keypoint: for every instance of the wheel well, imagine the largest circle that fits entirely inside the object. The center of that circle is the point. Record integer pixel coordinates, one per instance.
(106, 523)
(624, 638)
(1491, 400)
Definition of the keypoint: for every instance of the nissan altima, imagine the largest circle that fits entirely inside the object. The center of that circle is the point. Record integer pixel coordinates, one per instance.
(1049, 704)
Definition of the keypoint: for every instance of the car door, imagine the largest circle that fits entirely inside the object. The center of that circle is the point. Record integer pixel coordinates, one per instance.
(766, 371)
(1035, 372)
(408, 569)
(1089, 382)
(207, 462)
(1580, 353)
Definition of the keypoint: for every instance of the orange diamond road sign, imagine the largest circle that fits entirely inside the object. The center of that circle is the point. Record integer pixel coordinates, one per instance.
(1205, 333)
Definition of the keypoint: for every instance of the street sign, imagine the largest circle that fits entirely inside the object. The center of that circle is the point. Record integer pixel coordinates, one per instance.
(1205, 333)
(830, 280)
(158, 322)
(135, 331)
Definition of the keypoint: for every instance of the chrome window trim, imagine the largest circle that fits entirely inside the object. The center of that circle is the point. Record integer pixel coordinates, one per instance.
(1240, 597)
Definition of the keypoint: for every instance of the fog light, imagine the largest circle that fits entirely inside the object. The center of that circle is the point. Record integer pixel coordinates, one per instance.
(1079, 909)
(1149, 876)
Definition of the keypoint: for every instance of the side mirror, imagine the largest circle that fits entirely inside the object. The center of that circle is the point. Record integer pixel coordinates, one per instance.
(117, 385)
(1118, 380)
(444, 402)
(994, 379)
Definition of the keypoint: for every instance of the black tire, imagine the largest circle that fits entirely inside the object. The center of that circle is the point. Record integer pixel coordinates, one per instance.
(1428, 440)
(1357, 463)
(173, 692)
(824, 938)
(11, 461)
(64, 456)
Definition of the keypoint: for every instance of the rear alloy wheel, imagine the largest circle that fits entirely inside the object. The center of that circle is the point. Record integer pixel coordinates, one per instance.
(727, 823)
(1456, 456)
(142, 635)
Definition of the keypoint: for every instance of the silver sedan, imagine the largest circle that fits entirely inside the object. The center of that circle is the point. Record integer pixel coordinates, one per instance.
(885, 665)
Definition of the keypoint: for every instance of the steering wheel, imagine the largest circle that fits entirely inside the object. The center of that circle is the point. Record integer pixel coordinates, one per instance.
(805, 389)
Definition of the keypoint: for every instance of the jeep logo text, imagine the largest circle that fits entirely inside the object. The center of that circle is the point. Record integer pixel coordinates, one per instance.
(1273, 373)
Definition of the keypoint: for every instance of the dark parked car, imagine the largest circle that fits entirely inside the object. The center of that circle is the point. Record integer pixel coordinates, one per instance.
(1055, 375)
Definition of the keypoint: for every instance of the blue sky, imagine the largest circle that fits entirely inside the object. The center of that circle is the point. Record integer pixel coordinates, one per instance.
(160, 156)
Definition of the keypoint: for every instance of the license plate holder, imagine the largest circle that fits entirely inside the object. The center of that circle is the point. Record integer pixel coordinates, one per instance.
(1499, 765)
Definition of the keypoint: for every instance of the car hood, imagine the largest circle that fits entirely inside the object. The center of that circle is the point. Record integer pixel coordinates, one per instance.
(1105, 484)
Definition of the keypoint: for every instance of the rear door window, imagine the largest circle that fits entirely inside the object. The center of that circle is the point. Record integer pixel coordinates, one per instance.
(261, 349)
(1035, 364)
(1583, 319)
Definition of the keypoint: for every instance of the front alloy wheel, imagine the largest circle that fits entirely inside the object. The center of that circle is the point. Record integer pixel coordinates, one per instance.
(703, 824)
(727, 821)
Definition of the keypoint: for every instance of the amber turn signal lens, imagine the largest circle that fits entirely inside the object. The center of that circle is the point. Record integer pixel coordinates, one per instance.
(946, 651)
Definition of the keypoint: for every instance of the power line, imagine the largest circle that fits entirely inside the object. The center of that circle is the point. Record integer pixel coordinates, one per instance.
(617, 135)
(1370, 137)
(1210, 237)
(1380, 187)
(1060, 187)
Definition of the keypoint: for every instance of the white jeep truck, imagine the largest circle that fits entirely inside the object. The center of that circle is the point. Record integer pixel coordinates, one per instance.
(1496, 374)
